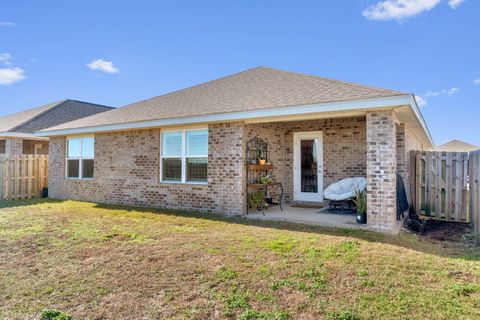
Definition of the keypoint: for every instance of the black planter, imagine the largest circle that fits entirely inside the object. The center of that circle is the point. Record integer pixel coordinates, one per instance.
(45, 192)
(361, 218)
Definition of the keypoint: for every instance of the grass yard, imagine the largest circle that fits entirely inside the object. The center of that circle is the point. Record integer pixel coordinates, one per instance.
(103, 262)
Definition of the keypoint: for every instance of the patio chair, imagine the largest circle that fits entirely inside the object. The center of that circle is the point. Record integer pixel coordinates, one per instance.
(339, 195)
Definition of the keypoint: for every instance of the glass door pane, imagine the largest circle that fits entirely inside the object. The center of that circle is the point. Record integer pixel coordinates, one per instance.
(309, 165)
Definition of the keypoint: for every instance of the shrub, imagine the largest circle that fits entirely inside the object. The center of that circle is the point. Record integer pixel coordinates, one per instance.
(48, 314)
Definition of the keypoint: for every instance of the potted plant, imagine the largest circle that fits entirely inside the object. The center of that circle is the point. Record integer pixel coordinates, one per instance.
(256, 200)
(261, 157)
(361, 205)
(265, 180)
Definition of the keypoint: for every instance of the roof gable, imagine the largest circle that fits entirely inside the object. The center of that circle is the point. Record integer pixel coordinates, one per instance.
(457, 146)
(11, 121)
(255, 89)
(49, 115)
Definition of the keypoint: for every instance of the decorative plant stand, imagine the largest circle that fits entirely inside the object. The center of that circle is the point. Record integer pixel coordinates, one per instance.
(261, 186)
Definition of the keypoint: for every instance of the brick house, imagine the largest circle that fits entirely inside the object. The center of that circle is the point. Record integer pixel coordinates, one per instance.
(17, 130)
(186, 149)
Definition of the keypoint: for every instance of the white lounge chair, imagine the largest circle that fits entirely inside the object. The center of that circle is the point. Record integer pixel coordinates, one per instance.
(344, 190)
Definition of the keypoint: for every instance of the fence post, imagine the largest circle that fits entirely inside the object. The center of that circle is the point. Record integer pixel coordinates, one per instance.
(2, 177)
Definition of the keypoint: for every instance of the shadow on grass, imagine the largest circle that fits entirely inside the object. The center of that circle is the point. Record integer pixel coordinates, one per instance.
(23, 203)
(404, 240)
(456, 250)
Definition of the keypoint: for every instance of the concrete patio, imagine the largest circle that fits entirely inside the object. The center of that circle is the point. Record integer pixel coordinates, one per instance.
(312, 216)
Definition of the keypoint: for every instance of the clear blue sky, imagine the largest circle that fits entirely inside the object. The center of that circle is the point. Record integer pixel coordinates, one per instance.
(428, 47)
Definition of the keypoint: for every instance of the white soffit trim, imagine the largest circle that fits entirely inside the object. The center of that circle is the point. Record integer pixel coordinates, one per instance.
(4, 135)
(369, 104)
(418, 114)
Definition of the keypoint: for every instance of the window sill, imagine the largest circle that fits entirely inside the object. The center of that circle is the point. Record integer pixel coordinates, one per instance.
(80, 179)
(185, 183)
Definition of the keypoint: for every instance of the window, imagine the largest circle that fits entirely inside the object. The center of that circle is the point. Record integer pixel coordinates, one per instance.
(184, 156)
(80, 158)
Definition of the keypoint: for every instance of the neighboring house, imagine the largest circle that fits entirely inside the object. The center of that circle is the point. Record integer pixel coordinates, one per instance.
(457, 146)
(186, 149)
(17, 130)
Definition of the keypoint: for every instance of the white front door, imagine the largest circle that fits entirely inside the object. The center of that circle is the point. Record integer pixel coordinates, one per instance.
(308, 166)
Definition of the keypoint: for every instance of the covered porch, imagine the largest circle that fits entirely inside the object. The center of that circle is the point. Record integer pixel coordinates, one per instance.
(306, 156)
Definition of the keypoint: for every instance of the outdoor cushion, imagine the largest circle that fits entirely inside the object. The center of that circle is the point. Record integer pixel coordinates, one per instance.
(345, 189)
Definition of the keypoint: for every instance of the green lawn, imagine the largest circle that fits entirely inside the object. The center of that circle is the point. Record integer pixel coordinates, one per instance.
(103, 262)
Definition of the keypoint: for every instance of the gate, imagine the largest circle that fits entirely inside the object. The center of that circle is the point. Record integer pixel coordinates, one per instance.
(441, 180)
(22, 176)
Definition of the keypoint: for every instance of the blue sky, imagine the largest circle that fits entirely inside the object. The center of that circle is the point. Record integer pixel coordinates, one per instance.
(118, 52)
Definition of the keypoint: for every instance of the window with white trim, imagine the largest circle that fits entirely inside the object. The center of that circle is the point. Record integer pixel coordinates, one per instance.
(184, 156)
(80, 158)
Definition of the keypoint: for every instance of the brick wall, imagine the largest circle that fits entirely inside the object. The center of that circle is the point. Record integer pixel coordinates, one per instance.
(381, 171)
(127, 171)
(406, 142)
(344, 147)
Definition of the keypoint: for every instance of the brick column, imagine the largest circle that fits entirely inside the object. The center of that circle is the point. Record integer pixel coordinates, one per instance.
(381, 170)
(13, 146)
(226, 168)
(56, 169)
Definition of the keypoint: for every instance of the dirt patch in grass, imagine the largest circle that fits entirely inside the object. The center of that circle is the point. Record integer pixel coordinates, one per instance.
(446, 231)
(105, 262)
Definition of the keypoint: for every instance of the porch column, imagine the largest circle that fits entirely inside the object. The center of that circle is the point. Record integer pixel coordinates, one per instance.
(381, 170)
(13, 146)
(226, 169)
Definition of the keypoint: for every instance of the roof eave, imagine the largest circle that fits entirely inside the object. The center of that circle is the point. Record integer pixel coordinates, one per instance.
(20, 135)
(421, 120)
(367, 104)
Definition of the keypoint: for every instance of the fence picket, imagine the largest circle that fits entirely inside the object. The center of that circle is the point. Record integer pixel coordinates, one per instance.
(437, 176)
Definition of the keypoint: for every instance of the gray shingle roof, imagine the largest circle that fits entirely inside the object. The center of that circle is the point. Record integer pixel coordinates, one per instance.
(10, 122)
(49, 115)
(255, 89)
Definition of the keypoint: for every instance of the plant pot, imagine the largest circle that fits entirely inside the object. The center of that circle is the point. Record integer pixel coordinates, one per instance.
(361, 218)
(262, 162)
(45, 192)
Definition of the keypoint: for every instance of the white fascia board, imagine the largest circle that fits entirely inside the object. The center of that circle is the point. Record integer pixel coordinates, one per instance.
(371, 104)
(418, 114)
(4, 135)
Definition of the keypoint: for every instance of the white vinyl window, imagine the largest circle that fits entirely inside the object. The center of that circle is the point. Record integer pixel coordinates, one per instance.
(80, 158)
(184, 156)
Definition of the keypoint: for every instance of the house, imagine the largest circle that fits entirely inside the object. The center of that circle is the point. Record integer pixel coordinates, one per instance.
(187, 149)
(457, 146)
(17, 130)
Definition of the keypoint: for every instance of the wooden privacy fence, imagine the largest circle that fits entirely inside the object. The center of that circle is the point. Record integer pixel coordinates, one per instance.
(445, 185)
(23, 176)
(475, 189)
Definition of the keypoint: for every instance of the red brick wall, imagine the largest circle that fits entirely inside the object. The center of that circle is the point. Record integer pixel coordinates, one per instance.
(127, 171)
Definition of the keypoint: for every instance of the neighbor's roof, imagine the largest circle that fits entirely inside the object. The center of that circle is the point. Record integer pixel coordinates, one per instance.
(252, 90)
(457, 146)
(49, 115)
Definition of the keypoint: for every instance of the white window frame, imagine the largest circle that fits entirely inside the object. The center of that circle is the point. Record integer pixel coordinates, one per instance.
(183, 157)
(80, 159)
